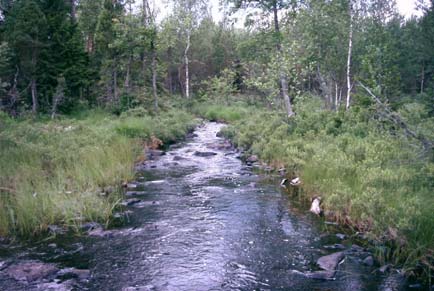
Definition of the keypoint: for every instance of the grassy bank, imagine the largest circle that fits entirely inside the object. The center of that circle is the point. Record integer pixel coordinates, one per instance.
(66, 171)
(370, 177)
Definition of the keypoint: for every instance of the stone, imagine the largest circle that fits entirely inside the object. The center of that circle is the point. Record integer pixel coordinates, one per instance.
(31, 271)
(178, 158)
(335, 247)
(321, 275)
(204, 154)
(56, 230)
(368, 261)
(252, 159)
(134, 193)
(90, 225)
(57, 286)
(315, 207)
(384, 269)
(100, 232)
(131, 201)
(330, 262)
(155, 153)
(69, 273)
(341, 236)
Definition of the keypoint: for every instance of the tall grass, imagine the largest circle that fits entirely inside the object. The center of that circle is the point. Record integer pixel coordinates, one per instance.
(369, 175)
(55, 172)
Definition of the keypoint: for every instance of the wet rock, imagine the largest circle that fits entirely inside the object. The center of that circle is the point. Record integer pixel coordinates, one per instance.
(296, 182)
(154, 153)
(31, 271)
(134, 193)
(52, 245)
(131, 201)
(330, 262)
(90, 225)
(178, 158)
(57, 286)
(357, 248)
(56, 230)
(415, 286)
(316, 275)
(384, 269)
(335, 247)
(252, 159)
(341, 236)
(368, 261)
(204, 154)
(73, 273)
(140, 288)
(131, 186)
(321, 275)
(100, 232)
(219, 134)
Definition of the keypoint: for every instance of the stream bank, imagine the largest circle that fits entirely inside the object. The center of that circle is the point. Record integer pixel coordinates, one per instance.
(202, 220)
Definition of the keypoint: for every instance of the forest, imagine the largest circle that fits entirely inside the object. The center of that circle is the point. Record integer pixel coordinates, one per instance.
(338, 92)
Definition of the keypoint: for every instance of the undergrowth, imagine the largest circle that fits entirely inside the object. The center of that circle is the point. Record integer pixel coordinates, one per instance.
(370, 176)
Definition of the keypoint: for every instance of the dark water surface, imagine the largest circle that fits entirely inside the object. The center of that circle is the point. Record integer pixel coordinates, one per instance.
(204, 223)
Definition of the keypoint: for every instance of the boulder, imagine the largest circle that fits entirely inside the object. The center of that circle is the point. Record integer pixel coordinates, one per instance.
(330, 262)
(31, 271)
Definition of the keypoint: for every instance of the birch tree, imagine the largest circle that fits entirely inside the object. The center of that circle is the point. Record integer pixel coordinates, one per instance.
(273, 7)
(188, 13)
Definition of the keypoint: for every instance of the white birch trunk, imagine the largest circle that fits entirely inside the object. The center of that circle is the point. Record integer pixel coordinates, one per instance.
(350, 50)
(187, 76)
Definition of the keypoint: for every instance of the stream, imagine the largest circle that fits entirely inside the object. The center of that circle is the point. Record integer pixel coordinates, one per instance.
(198, 219)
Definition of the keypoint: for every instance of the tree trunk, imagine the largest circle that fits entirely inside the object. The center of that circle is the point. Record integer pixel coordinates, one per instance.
(350, 49)
(33, 85)
(73, 11)
(34, 95)
(282, 75)
(422, 79)
(154, 77)
(115, 86)
(187, 76)
(127, 76)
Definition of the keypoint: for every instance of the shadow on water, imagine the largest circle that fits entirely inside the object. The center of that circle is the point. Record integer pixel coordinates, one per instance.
(203, 221)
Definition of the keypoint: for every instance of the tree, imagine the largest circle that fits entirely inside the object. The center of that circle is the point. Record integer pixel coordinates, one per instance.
(188, 14)
(273, 7)
(26, 30)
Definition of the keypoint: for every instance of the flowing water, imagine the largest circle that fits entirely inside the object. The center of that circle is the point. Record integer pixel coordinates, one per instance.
(203, 223)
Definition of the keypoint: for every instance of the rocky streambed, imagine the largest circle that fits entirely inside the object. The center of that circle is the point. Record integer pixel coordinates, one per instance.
(197, 218)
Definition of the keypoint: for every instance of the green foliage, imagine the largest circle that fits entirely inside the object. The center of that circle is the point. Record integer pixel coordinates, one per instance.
(54, 172)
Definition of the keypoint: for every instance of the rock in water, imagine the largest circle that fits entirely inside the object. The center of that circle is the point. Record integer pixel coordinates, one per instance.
(368, 261)
(31, 271)
(204, 154)
(252, 159)
(330, 262)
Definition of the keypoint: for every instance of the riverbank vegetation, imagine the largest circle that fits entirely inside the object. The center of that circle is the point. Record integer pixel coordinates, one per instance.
(69, 171)
(339, 92)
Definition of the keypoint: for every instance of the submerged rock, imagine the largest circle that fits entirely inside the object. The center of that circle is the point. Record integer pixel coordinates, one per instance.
(31, 271)
(368, 261)
(330, 262)
(204, 154)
